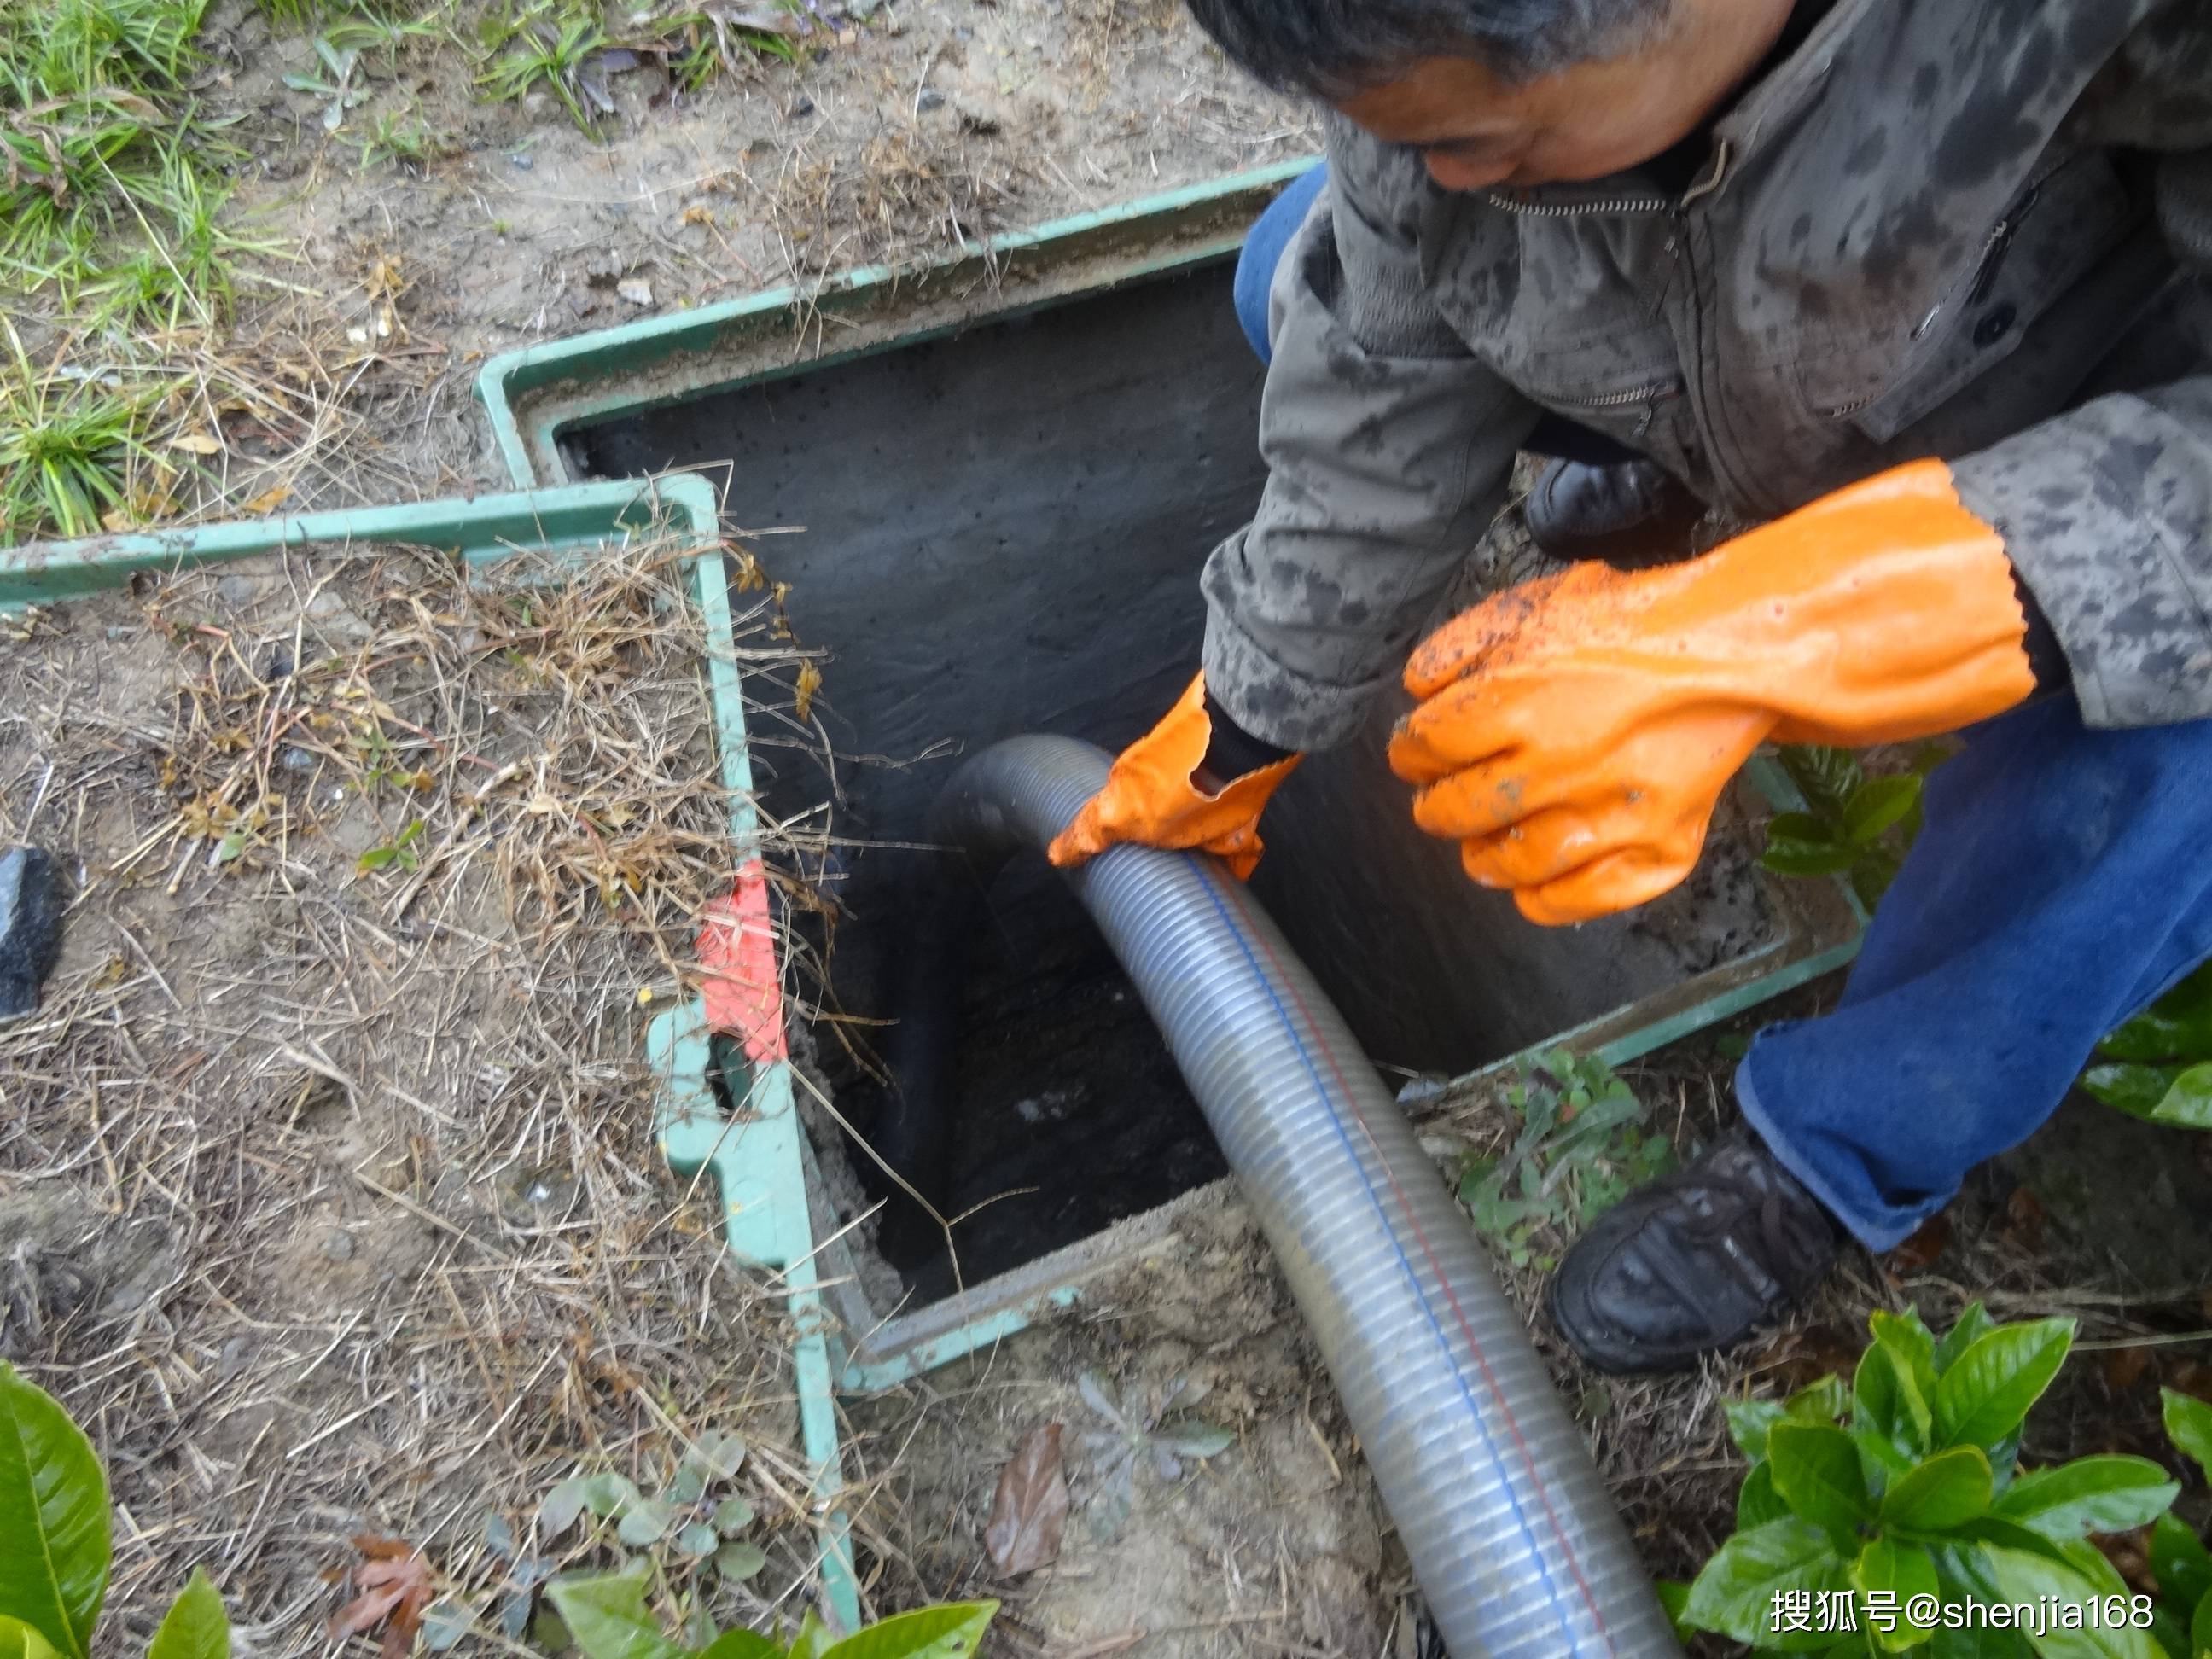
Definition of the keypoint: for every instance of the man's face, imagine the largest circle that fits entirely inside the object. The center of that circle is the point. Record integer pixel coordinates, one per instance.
(1476, 129)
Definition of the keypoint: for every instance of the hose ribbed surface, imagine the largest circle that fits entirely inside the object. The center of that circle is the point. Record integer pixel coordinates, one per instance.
(1515, 1541)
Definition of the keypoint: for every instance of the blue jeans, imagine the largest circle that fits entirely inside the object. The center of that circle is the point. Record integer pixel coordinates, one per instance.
(2062, 884)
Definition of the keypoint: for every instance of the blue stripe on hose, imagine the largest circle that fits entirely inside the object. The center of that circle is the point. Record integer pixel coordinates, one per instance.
(1435, 1326)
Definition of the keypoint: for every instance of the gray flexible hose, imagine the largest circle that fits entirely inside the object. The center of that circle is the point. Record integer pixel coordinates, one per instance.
(1516, 1545)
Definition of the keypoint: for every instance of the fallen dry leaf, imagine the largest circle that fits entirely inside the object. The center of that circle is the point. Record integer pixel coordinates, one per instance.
(2188, 1376)
(1801, 1359)
(2024, 1218)
(1923, 1247)
(810, 682)
(2124, 1368)
(393, 1586)
(1030, 1508)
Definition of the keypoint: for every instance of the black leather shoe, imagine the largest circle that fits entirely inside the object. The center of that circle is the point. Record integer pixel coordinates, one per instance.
(1631, 515)
(1694, 1262)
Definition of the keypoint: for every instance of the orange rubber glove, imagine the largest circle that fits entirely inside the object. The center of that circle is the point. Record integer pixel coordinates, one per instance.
(1576, 732)
(1152, 796)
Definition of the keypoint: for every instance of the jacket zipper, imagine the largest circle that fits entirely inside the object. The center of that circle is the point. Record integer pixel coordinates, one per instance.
(1610, 205)
(1677, 210)
(1673, 388)
(2000, 244)
(1650, 396)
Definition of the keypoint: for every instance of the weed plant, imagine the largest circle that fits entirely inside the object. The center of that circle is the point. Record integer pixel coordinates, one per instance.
(68, 444)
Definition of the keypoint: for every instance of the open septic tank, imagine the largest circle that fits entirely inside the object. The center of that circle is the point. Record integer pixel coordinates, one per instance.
(994, 483)
(998, 477)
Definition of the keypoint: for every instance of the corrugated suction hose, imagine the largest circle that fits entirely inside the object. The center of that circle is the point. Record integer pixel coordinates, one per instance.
(1516, 1545)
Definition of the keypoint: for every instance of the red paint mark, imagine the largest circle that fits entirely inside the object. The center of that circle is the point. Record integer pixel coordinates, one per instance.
(738, 982)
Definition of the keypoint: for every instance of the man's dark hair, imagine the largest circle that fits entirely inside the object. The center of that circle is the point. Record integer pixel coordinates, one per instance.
(1336, 47)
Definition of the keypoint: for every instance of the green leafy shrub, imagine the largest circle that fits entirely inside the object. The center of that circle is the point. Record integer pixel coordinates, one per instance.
(1902, 1489)
(56, 1546)
(1853, 825)
(2177, 1556)
(1582, 1145)
(2158, 1066)
(695, 1513)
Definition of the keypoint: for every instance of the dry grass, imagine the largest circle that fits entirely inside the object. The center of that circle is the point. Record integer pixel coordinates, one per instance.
(901, 193)
(1103, 32)
(328, 1198)
(273, 409)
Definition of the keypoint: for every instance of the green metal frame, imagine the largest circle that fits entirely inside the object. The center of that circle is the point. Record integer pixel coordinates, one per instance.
(754, 1156)
(568, 519)
(534, 395)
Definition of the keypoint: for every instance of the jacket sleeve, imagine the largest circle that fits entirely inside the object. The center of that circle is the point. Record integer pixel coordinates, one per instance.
(2107, 510)
(1388, 448)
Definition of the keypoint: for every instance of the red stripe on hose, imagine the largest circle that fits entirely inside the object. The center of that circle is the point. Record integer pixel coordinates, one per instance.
(1467, 1330)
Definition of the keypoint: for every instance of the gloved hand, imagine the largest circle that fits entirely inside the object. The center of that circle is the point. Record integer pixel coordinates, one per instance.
(1153, 796)
(1576, 732)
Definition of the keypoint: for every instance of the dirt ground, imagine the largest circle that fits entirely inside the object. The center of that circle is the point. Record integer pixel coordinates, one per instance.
(1278, 1545)
(901, 132)
(328, 1197)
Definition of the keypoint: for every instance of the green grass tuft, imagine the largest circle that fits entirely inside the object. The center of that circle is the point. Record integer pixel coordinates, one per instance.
(406, 141)
(185, 268)
(706, 45)
(87, 134)
(73, 48)
(69, 443)
(67, 168)
(546, 44)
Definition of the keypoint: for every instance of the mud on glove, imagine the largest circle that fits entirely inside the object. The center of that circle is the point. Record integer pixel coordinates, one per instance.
(1574, 734)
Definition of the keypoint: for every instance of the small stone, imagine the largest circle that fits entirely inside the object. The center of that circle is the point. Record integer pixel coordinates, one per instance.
(295, 759)
(801, 108)
(33, 895)
(235, 1354)
(930, 99)
(635, 290)
(521, 163)
(235, 590)
(339, 1246)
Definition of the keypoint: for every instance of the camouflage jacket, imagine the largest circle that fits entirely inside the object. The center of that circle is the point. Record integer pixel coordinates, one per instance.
(1979, 229)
